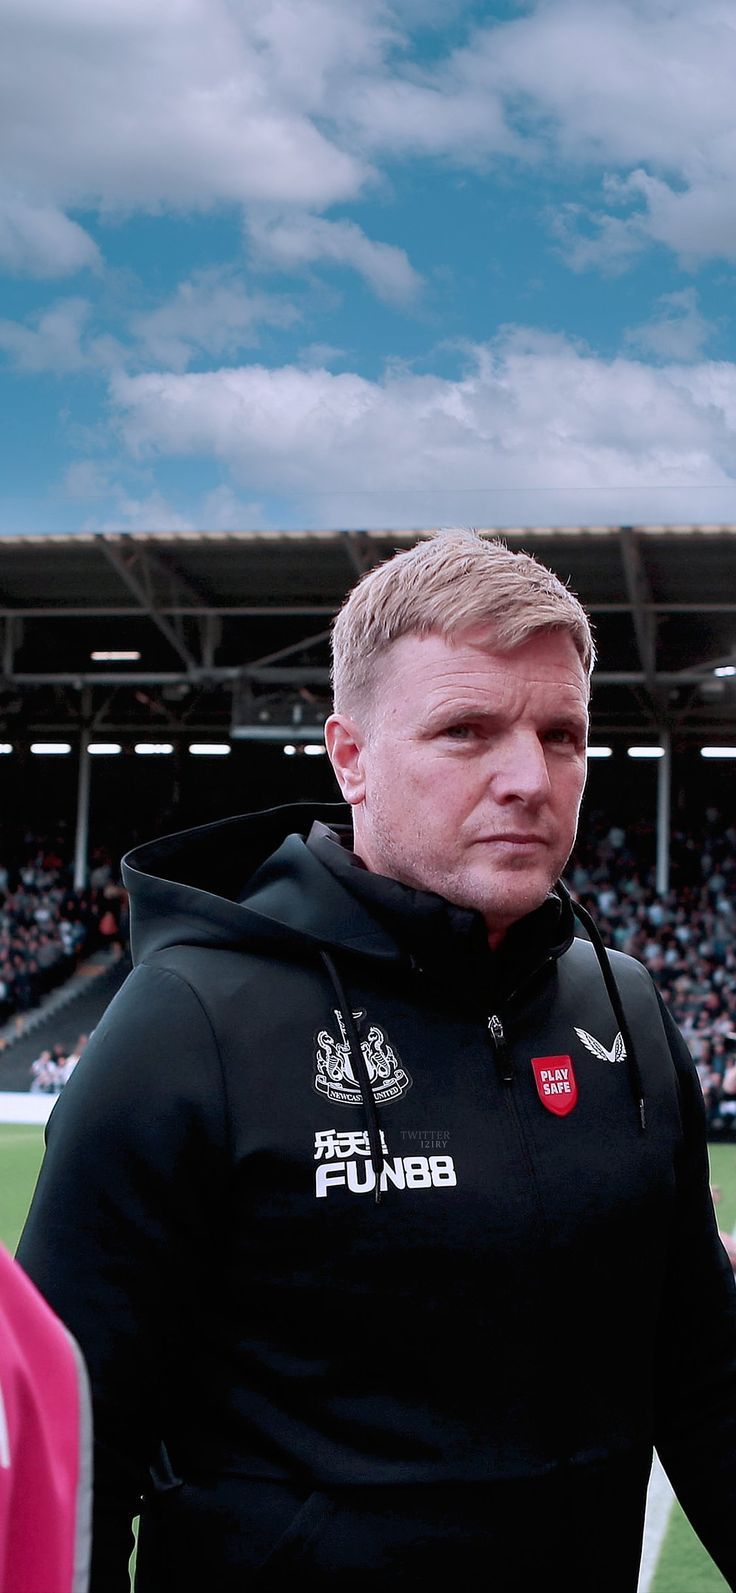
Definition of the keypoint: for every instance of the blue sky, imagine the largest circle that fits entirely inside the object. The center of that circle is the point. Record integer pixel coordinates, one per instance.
(285, 263)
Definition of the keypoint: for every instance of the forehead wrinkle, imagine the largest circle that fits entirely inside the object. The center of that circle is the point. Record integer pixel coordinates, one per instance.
(502, 687)
(463, 667)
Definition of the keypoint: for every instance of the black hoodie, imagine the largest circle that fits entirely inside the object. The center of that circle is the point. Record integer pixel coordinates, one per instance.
(342, 1206)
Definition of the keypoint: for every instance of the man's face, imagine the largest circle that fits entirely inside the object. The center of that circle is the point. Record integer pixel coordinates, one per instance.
(467, 775)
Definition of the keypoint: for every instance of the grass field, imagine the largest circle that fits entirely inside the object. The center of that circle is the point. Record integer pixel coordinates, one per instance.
(684, 1567)
(21, 1150)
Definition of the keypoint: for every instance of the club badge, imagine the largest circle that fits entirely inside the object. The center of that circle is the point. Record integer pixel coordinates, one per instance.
(334, 1078)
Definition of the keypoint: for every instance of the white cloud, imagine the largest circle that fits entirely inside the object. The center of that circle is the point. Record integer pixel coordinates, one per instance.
(536, 429)
(698, 222)
(322, 355)
(53, 343)
(608, 243)
(431, 113)
(150, 512)
(639, 87)
(85, 481)
(289, 243)
(125, 507)
(641, 90)
(293, 105)
(223, 510)
(623, 81)
(676, 331)
(57, 339)
(186, 103)
(289, 107)
(211, 312)
(37, 240)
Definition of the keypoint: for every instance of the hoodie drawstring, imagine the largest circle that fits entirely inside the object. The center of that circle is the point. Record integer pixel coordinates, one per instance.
(360, 1071)
(614, 997)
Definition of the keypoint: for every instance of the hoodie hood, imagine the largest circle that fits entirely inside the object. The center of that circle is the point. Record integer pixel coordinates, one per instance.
(287, 875)
(250, 881)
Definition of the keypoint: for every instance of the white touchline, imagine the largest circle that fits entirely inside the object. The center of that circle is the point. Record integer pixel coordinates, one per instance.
(660, 1499)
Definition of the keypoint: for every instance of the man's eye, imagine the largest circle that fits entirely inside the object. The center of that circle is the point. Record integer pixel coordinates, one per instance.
(458, 732)
(563, 736)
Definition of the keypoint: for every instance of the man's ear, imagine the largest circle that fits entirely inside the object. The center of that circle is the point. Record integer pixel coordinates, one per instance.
(345, 743)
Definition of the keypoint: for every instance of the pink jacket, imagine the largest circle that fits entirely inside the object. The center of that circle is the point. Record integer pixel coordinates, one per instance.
(45, 1468)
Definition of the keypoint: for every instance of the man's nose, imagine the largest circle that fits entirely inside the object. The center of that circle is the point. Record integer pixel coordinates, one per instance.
(521, 771)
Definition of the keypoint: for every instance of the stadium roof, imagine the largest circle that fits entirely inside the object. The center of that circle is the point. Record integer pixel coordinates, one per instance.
(236, 623)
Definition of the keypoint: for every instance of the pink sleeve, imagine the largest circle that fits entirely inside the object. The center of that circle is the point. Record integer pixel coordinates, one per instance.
(45, 1478)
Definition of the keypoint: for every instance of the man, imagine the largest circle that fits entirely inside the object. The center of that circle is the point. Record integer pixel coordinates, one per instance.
(379, 1201)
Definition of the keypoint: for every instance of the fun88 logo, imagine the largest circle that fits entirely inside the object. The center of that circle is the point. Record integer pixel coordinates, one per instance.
(404, 1172)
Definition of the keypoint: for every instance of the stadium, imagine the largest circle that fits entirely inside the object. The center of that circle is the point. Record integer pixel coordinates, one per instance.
(155, 681)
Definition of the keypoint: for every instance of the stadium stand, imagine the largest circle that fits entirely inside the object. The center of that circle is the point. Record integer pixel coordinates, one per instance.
(45, 925)
(224, 640)
(687, 938)
(59, 1033)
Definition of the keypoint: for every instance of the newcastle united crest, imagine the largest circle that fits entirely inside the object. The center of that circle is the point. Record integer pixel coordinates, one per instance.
(334, 1077)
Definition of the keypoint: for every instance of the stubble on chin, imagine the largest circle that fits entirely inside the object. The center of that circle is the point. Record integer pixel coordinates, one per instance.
(499, 901)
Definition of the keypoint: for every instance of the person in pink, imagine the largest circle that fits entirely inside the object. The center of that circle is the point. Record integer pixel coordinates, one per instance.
(45, 1445)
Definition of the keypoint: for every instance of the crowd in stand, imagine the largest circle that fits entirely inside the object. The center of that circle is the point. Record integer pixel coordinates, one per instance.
(46, 925)
(54, 1065)
(686, 938)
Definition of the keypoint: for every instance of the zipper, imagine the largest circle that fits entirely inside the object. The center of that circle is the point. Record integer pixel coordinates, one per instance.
(502, 1055)
(505, 1070)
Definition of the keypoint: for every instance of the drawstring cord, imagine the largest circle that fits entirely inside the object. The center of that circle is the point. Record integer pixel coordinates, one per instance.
(614, 997)
(361, 1073)
(360, 1069)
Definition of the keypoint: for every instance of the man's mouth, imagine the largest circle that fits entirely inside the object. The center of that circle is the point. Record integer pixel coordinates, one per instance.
(512, 839)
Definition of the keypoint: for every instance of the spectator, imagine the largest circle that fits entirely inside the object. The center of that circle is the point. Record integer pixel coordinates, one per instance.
(45, 925)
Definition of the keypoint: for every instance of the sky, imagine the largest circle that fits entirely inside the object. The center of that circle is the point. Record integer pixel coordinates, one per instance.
(279, 264)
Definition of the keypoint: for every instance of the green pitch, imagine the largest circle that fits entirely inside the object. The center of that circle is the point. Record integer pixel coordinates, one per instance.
(21, 1149)
(684, 1566)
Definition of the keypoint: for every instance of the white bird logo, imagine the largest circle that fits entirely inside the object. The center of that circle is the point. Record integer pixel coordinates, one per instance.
(616, 1053)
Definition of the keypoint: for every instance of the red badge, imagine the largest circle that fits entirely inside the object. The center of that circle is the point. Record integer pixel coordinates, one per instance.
(556, 1083)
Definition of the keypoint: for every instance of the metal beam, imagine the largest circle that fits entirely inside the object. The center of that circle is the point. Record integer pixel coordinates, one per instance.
(169, 568)
(144, 677)
(361, 552)
(135, 731)
(12, 636)
(299, 675)
(637, 585)
(210, 635)
(218, 730)
(285, 652)
(663, 608)
(142, 591)
(664, 789)
(173, 610)
(84, 772)
(299, 610)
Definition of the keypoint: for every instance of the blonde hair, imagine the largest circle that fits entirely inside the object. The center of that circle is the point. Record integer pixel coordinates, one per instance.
(445, 585)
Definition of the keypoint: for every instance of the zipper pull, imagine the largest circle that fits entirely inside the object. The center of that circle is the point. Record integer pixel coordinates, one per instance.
(503, 1055)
